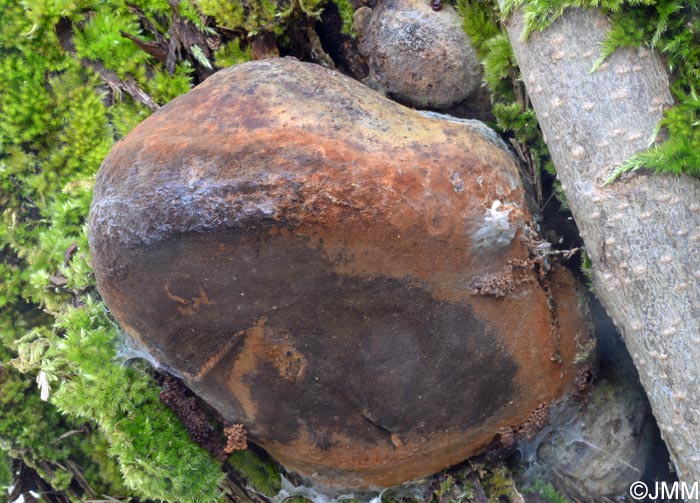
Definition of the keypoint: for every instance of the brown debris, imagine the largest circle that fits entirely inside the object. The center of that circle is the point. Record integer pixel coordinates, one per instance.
(501, 447)
(57, 280)
(236, 438)
(396, 440)
(175, 395)
(533, 424)
(515, 273)
(68, 254)
(264, 46)
(507, 438)
(183, 41)
(479, 494)
(584, 378)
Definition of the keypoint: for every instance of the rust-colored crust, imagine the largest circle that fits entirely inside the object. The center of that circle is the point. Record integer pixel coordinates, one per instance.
(235, 149)
(303, 252)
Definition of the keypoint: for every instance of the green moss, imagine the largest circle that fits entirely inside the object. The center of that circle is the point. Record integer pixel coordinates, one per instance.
(100, 39)
(230, 15)
(56, 125)
(15, 434)
(459, 484)
(445, 486)
(545, 491)
(5, 471)
(539, 14)
(55, 129)
(680, 153)
(58, 120)
(498, 485)
(586, 265)
(262, 476)
(346, 11)
(251, 18)
(514, 114)
(156, 457)
(453, 488)
(231, 53)
(480, 20)
(164, 87)
(125, 115)
(102, 470)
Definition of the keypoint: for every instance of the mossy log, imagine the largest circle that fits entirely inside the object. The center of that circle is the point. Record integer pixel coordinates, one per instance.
(641, 232)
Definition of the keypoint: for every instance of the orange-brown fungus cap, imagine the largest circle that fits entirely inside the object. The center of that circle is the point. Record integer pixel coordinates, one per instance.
(305, 253)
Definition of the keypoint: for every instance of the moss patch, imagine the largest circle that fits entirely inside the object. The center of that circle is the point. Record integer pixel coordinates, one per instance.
(5, 471)
(261, 475)
(545, 491)
(86, 423)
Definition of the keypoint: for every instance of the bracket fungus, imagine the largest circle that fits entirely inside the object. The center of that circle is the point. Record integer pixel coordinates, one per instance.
(305, 252)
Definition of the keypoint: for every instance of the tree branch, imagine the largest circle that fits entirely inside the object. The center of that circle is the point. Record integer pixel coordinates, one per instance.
(642, 232)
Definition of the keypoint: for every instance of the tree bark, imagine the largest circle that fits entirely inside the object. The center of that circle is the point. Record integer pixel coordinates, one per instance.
(641, 232)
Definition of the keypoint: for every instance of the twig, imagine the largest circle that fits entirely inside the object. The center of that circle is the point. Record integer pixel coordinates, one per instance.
(64, 33)
(68, 434)
(108, 499)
